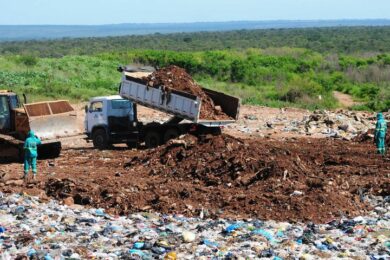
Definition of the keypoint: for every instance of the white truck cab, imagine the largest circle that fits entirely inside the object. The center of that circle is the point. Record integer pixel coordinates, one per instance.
(109, 115)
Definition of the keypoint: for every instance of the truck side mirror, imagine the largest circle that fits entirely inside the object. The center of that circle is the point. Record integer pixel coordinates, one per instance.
(86, 108)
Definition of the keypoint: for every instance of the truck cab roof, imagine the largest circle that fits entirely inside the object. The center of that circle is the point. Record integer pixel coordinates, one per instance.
(113, 97)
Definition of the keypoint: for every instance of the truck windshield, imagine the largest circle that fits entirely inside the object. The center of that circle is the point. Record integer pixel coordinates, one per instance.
(120, 104)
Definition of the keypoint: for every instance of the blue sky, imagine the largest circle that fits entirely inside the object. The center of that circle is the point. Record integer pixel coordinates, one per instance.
(160, 11)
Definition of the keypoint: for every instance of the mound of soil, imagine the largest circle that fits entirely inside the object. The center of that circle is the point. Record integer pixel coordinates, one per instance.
(294, 181)
(176, 78)
(288, 180)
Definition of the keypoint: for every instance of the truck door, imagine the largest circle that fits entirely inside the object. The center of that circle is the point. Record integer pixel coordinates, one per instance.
(96, 115)
(5, 114)
(120, 115)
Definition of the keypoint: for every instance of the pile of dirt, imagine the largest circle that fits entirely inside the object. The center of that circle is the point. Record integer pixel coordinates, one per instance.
(213, 160)
(222, 176)
(294, 181)
(175, 78)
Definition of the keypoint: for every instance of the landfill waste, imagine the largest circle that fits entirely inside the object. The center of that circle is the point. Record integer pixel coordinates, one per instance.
(336, 124)
(339, 124)
(189, 236)
(55, 231)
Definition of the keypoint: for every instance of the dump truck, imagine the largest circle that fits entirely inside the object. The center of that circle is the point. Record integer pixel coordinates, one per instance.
(52, 122)
(114, 119)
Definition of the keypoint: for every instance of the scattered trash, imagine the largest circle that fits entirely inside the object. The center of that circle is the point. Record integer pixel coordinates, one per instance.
(250, 117)
(188, 236)
(297, 193)
(338, 124)
(54, 231)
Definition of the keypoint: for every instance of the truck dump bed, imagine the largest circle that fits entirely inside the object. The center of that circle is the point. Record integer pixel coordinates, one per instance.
(179, 104)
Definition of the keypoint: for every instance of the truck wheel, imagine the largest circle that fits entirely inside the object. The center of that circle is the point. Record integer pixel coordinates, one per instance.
(132, 145)
(171, 133)
(152, 139)
(100, 139)
(216, 131)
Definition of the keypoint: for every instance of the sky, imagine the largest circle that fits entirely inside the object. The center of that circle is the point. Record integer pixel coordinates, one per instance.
(91, 12)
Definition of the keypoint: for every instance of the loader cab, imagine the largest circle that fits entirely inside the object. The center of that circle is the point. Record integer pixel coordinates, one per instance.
(8, 103)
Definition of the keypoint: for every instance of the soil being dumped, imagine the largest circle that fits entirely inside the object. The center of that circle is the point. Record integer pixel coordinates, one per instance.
(217, 176)
(175, 78)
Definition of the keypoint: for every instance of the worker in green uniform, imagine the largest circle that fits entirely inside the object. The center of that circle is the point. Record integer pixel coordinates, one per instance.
(31, 154)
(380, 134)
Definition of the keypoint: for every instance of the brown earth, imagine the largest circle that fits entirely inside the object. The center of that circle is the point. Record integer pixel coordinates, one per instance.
(292, 179)
(173, 77)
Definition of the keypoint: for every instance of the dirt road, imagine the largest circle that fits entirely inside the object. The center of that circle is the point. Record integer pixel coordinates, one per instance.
(344, 99)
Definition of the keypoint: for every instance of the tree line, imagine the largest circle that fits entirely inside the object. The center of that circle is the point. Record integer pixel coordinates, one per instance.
(340, 40)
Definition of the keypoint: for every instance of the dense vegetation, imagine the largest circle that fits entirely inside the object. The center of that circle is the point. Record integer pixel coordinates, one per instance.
(323, 40)
(277, 76)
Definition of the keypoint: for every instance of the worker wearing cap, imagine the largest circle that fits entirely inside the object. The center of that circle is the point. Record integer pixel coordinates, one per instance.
(380, 134)
(31, 154)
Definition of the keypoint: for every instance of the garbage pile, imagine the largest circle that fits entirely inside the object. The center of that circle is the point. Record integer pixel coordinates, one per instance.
(35, 230)
(175, 78)
(339, 124)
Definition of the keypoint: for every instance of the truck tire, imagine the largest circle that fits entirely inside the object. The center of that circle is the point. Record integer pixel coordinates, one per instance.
(203, 130)
(171, 133)
(216, 131)
(132, 145)
(152, 139)
(100, 139)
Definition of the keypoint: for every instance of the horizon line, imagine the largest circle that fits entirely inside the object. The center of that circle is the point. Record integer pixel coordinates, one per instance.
(204, 22)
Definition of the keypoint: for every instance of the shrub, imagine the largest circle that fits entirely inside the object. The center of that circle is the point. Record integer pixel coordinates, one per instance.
(28, 60)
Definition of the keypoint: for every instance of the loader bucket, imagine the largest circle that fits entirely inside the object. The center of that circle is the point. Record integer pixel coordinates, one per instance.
(52, 120)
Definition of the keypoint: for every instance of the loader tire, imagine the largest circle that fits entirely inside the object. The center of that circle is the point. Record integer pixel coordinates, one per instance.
(100, 139)
(20, 153)
(49, 151)
(56, 150)
(152, 139)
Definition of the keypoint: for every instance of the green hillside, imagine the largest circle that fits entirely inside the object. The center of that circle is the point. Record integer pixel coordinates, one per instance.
(284, 67)
(273, 77)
